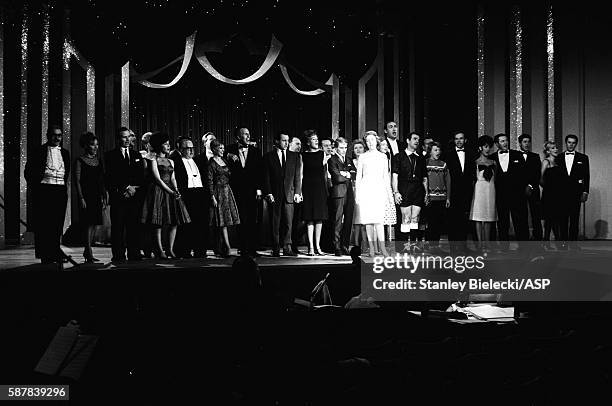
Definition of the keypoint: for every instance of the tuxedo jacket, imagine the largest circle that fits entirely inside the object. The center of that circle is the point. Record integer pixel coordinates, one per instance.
(511, 183)
(282, 184)
(245, 180)
(120, 174)
(37, 162)
(462, 181)
(341, 185)
(578, 180)
(533, 169)
(180, 172)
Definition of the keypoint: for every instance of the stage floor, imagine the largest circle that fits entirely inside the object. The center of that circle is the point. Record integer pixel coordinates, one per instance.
(22, 258)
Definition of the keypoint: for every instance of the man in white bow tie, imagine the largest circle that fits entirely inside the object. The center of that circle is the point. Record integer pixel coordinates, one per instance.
(576, 171)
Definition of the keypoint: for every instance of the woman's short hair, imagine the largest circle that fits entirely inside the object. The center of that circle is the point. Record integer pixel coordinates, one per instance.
(308, 134)
(215, 144)
(366, 135)
(87, 139)
(485, 140)
(358, 142)
(157, 140)
(547, 146)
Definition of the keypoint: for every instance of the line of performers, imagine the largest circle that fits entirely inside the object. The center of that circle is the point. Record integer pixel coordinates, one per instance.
(346, 193)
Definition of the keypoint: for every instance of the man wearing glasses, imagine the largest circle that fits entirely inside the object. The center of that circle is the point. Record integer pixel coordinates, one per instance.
(194, 191)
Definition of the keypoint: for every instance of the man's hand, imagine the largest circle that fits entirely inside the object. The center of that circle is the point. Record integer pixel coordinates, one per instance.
(528, 190)
(131, 190)
(270, 198)
(447, 204)
(584, 197)
(296, 198)
(398, 198)
(426, 199)
(232, 157)
(83, 204)
(345, 174)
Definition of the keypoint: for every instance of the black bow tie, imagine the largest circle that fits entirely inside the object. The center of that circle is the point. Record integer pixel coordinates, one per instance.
(569, 153)
(503, 152)
(459, 149)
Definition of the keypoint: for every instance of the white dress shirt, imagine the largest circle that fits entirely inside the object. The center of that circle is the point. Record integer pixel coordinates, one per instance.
(569, 161)
(504, 160)
(125, 152)
(279, 152)
(193, 173)
(461, 155)
(54, 170)
(243, 152)
(524, 155)
(393, 145)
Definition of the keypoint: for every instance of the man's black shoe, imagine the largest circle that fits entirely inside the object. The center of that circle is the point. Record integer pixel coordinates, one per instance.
(338, 253)
(289, 253)
(276, 253)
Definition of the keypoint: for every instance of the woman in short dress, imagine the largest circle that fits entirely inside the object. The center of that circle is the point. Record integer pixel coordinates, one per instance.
(390, 214)
(163, 207)
(223, 210)
(552, 193)
(89, 174)
(410, 187)
(314, 191)
(483, 210)
(372, 193)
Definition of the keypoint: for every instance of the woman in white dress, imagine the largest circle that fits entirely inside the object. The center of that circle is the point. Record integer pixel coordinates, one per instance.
(358, 235)
(483, 210)
(372, 193)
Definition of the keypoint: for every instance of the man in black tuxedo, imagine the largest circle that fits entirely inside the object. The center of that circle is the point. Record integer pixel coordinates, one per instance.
(511, 191)
(191, 179)
(391, 133)
(47, 172)
(342, 198)
(245, 162)
(534, 172)
(124, 178)
(462, 168)
(282, 186)
(577, 178)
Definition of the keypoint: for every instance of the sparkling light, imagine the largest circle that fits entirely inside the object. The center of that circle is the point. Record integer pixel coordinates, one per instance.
(23, 139)
(516, 82)
(550, 52)
(91, 98)
(480, 24)
(125, 95)
(45, 73)
(2, 235)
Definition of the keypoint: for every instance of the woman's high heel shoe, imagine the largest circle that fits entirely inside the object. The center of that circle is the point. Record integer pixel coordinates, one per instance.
(318, 252)
(311, 252)
(158, 254)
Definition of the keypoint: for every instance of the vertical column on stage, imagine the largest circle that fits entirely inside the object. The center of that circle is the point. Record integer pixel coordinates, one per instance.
(496, 74)
(550, 75)
(125, 95)
(480, 26)
(46, 47)
(335, 108)
(23, 122)
(348, 114)
(2, 194)
(376, 68)
(516, 77)
(412, 85)
(67, 104)
(397, 99)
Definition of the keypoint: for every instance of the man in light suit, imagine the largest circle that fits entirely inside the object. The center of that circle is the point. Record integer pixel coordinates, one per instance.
(191, 179)
(577, 178)
(342, 198)
(282, 187)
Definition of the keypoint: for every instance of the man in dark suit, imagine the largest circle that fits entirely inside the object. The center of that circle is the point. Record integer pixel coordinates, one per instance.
(577, 179)
(47, 172)
(246, 165)
(462, 168)
(534, 172)
(511, 190)
(391, 134)
(342, 198)
(192, 181)
(282, 186)
(124, 178)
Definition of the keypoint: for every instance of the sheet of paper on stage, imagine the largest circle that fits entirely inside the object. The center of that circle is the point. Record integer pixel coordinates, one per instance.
(78, 357)
(58, 350)
(492, 312)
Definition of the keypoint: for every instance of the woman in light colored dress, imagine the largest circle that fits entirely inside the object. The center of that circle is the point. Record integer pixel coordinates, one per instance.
(372, 193)
(483, 210)
(390, 214)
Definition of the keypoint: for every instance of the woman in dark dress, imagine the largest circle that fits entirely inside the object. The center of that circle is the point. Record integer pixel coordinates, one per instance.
(223, 210)
(163, 205)
(89, 175)
(314, 191)
(552, 193)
